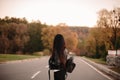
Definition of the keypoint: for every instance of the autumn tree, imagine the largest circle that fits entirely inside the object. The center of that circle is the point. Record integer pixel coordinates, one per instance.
(49, 33)
(110, 21)
(19, 36)
(95, 43)
(106, 33)
(82, 32)
(13, 37)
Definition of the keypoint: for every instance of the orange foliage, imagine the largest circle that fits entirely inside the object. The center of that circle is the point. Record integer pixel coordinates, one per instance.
(71, 38)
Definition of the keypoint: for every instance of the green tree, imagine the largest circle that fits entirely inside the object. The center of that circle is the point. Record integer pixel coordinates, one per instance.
(35, 43)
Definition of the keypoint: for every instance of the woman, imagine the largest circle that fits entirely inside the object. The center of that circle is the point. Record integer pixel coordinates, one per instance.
(60, 53)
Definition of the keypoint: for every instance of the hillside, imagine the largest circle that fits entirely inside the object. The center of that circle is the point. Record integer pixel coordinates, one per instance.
(81, 31)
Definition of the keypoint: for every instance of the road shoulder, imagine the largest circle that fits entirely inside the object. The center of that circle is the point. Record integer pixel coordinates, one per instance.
(17, 61)
(103, 69)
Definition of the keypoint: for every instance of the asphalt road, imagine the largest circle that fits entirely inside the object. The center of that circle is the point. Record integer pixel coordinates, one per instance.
(38, 70)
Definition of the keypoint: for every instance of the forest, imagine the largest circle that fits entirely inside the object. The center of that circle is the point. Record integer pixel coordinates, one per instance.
(18, 36)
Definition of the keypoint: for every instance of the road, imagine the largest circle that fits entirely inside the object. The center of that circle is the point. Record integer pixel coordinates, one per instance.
(38, 70)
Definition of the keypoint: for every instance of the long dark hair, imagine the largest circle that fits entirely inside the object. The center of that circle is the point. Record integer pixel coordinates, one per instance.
(59, 48)
(58, 45)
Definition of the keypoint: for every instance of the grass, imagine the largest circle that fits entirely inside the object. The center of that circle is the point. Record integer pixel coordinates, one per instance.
(12, 57)
(116, 69)
(100, 61)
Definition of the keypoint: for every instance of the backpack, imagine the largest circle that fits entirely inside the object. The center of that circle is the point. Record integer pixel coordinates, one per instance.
(54, 63)
(70, 65)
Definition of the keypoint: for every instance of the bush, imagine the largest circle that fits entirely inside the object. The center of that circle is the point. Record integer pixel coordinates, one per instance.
(38, 53)
(46, 52)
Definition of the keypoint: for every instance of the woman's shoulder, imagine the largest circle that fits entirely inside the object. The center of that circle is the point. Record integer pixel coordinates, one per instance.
(66, 51)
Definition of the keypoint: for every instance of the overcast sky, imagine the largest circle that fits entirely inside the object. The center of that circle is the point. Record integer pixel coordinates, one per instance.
(52, 12)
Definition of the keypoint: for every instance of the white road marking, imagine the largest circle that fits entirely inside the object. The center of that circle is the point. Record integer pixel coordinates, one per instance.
(97, 70)
(34, 75)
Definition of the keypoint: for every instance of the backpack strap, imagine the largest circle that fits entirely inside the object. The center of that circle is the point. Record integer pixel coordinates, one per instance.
(49, 73)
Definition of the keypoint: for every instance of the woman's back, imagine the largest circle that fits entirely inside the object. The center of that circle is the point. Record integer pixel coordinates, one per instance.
(60, 56)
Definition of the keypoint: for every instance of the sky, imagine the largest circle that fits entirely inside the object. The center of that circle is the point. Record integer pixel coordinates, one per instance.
(53, 12)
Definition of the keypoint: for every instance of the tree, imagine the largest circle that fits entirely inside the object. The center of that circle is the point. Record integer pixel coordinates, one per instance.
(7, 35)
(110, 21)
(19, 36)
(97, 43)
(48, 34)
(13, 20)
(35, 43)
(106, 33)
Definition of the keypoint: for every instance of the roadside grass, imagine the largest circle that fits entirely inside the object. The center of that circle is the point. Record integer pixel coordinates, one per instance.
(100, 61)
(116, 69)
(12, 57)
